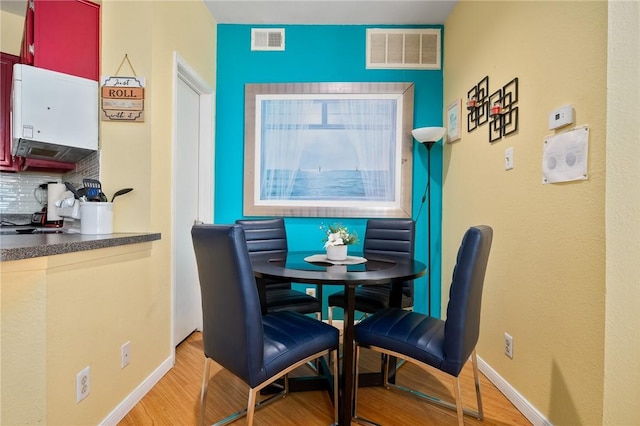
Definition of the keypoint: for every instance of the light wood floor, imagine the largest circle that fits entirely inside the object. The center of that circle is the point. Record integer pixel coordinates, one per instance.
(175, 399)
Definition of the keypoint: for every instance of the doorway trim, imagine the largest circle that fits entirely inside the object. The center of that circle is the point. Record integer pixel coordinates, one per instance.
(182, 70)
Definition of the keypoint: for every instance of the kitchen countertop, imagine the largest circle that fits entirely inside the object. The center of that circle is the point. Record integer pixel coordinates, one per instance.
(18, 247)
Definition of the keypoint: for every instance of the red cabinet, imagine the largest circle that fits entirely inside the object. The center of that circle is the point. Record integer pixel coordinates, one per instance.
(64, 36)
(7, 163)
(60, 35)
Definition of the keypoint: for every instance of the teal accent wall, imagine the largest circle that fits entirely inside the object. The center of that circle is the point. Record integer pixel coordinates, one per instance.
(321, 53)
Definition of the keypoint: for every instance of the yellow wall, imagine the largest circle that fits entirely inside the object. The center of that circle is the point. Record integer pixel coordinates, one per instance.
(94, 306)
(139, 154)
(11, 32)
(23, 344)
(622, 343)
(63, 313)
(545, 283)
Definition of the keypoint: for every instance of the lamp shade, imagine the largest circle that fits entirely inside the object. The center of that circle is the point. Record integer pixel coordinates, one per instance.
(428, 134)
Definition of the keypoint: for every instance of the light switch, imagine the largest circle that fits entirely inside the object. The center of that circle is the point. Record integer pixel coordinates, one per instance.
(508, 158)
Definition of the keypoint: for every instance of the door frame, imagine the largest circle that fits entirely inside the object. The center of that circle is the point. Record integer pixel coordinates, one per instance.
(182, 70)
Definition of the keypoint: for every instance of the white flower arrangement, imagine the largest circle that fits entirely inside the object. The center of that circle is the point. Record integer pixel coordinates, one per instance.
(338, 235)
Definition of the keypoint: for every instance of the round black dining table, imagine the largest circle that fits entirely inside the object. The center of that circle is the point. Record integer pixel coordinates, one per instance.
(376, 270)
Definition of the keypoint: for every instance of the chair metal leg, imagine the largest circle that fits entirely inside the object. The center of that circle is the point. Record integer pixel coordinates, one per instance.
(385, 370)
(334, 356)
(355, 418)
(203, 392)
(356, 357)
(429, 398)
(253, 394)
(313, 365)
(474, 363)
(252, 405)
(400, 363)
(458, 395)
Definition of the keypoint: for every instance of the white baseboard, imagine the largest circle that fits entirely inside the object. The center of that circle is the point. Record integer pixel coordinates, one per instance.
(138, 393)
(524, 406)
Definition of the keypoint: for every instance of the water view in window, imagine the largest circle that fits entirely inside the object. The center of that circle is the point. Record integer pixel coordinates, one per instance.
(328, 149)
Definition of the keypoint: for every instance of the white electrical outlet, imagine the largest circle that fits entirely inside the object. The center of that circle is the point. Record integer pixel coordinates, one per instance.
(83, 384)
(310, 291)
(124, 354)
(508, 345)
(508, 158)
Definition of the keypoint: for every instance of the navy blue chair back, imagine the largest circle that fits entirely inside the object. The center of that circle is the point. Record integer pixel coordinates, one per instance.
(269, 236)
(391, 237)
(232, 325)
(462, 326)
(266, 236)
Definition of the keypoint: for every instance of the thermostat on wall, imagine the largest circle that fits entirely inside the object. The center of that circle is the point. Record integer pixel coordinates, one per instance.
(561, 117)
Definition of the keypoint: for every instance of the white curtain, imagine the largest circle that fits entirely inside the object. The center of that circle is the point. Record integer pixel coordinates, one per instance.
(370, 127)
(284, 133)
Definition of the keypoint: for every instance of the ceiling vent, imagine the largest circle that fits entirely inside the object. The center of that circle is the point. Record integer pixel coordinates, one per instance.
(405, 48)
(267, 39)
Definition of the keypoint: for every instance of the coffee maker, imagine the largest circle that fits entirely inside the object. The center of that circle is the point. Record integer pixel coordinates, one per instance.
(39, 218)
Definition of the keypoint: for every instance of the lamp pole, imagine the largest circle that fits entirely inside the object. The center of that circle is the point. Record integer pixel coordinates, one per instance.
(428, 136)
(429, 145)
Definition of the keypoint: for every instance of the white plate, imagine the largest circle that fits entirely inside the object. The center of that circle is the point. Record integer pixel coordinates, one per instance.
(322, 258)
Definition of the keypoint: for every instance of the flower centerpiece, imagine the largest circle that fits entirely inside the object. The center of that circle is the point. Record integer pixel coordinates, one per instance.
(337, 238)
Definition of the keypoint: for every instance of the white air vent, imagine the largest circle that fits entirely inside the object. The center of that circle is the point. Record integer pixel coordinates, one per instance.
(267, 39)
(404, 48)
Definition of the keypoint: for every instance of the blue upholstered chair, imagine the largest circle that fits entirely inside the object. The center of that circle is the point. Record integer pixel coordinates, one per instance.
(431, 342)
(256, 348)
(389, 237)
(270, 236)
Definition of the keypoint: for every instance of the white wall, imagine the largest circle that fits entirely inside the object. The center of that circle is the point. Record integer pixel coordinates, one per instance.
(622, 328)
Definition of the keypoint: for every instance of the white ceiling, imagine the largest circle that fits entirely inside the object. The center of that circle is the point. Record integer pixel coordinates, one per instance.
(17, 7)
(387, 12)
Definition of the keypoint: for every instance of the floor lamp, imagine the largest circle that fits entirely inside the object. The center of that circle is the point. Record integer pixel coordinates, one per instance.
(428, 136)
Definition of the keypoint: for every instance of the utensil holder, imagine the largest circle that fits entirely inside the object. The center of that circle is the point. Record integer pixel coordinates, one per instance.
(96, 218)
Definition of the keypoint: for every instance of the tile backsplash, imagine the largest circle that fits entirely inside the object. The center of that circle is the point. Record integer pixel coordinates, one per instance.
(19, 191)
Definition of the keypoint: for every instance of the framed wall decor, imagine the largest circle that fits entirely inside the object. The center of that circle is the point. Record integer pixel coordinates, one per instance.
(454, 111)
(328, 149)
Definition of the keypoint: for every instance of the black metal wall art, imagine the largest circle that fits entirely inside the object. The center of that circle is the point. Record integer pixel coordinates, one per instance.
(500, 108)
(504, 112)
(478, 105)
